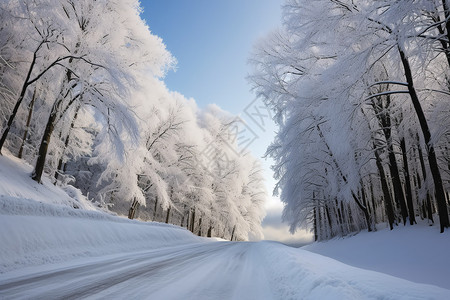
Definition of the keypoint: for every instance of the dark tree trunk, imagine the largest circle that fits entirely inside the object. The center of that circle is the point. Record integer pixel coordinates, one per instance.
(396, 183)
(408, 189)
(316, 230)
(232, 233)
(382, 111)
(27, 82)
(327, 211)
(358, 202)
(43, 148)
(374, 205)
(364, 210)
(193, 221)
(66, 144)
(424, 175)
(133, 208)
(350, 218)
(367, 205)
(389, 207)
(432, 160)
(23, 90)
(187, 219)
(167, 215)
(155, 208)
(340, 218)
(345, 217)
(27, 126)
(209, 234)
(200, 227)
(183, 216)
(56, 109)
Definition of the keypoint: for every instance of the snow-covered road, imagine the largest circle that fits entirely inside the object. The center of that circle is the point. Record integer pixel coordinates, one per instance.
(204, 271)
(216, 270)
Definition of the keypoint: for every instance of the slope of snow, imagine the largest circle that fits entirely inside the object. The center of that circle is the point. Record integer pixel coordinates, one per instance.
(39, 223)
(62, 234)
(417, 253)
(301, 274)
(15, 181)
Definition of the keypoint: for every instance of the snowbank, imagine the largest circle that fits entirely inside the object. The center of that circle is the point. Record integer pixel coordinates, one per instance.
(41, 223)
(33, 240)
(306, 275)
(15, 181)
(417, 253)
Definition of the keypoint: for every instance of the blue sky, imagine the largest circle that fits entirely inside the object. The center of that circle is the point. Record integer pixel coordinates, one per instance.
(212, 41)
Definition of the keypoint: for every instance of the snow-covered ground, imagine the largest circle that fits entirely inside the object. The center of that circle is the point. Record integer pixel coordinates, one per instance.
(417, 253)
(51, 250)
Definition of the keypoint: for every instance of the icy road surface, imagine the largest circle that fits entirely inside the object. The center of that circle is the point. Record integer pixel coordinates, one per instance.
(204, 271)
(216, 270)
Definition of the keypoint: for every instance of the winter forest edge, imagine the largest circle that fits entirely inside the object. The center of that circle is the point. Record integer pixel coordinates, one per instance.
(361, 95)
(360, 92)
(83, 101)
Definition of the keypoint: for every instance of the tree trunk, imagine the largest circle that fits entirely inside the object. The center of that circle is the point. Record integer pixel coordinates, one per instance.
(362, 207)
(424, 175)
(133, 208)
(316, 230)
(209, 234)
(167, 215)
(187, 219)
(43, 148)
(25, 85)
(156, 207)
(66, 144)
(374, 205)
(382, 112)
(396, 183)
(327, 211)
(200, 227)
(432, 160)
(27, 126)
(389, 207)
(340, 218)
(232, 233)
(367, 205)
(408, 190)
(192, 220)
(183, 216)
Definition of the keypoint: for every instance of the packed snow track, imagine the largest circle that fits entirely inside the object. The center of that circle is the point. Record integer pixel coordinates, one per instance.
(214, 270)
(204, 271)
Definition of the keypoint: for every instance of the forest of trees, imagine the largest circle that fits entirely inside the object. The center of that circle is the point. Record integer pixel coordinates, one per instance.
(361, 92)
(82, 99)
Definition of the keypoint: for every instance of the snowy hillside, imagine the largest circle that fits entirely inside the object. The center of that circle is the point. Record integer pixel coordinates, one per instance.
(418, 253)
(50, 249)
(41, 223)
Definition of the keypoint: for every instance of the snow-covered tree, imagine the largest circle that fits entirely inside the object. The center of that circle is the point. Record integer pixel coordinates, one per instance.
(82, 94)
(342, 98)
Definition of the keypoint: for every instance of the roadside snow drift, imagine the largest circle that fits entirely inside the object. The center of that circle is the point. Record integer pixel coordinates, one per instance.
(39, 223)
(418, 253)
(61, 233)
(300, 274)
